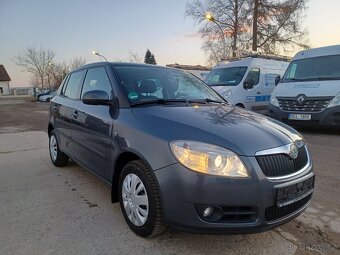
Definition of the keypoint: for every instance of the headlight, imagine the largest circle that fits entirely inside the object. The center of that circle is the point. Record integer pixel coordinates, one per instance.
(208, 159)
(273, 100)
(226, 94)
(335, 101)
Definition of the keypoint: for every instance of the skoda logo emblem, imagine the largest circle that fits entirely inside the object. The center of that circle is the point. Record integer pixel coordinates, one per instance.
(293, 151)
(300, 100)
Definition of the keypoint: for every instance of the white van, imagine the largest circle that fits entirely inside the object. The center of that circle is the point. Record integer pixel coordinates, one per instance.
(309, 92)
(247, 82)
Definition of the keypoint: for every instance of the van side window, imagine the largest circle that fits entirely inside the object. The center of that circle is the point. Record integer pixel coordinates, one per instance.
(97, 79)
(254, 74)
(73, 86)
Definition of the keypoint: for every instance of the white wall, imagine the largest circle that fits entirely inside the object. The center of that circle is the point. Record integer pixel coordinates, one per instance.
(5, 87)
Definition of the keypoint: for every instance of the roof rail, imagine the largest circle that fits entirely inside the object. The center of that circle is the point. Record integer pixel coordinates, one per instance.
(258, 55)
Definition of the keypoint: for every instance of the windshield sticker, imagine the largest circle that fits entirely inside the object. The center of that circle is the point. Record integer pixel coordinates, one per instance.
(133, 96)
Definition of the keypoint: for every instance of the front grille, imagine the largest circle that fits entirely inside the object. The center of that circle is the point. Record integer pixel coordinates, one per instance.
(311, 104)
(274, 212)
(276, 165)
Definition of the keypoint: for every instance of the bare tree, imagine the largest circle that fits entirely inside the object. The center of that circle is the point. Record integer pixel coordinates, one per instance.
(229, 18)
(269, 26)
(134, 57)
(76, 63)
(35, 61)
(58, 71)
(277, 25)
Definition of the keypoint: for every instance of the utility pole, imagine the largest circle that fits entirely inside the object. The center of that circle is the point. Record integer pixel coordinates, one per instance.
(255, 18)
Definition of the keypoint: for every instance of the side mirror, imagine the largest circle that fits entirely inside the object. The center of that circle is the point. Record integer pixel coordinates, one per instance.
(248, 83)
(96, 97)
(277, 79)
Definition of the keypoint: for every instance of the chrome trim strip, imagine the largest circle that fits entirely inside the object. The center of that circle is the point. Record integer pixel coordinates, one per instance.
(285, 149)
(278, 150)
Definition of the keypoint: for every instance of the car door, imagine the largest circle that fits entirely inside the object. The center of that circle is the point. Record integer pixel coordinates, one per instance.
(255, 99)
(63, 106)
(94, 126)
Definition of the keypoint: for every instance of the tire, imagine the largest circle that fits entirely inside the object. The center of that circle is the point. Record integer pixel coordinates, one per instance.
(58, 158)
(144, 217)
(240, 105)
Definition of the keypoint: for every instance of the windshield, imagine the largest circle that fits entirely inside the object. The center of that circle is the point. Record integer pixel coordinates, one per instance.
(313, 69)
(230, 76)
(144, 84)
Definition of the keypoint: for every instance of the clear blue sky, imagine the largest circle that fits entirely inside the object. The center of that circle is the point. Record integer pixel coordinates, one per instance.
(76, 27)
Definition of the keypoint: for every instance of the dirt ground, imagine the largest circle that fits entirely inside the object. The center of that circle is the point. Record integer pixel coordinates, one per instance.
(316, 231)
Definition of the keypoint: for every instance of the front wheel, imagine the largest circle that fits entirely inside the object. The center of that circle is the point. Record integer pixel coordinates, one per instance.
(58, 158)
(140, 200)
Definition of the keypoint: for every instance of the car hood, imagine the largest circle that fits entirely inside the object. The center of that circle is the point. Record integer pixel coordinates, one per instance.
(241, 131)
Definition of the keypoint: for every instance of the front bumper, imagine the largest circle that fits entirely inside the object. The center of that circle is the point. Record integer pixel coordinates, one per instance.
(184, 191)
(330, 117)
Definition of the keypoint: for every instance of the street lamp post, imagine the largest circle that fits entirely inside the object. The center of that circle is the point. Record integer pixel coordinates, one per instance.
(99, 55)
(211, 18)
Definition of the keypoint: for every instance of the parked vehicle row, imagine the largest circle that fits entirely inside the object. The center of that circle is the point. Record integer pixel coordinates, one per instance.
(309, 92)
(47, 96)
(247, 82)
(176, 153)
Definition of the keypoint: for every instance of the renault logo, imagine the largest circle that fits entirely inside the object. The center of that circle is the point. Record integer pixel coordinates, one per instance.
(293, 151)
(300, 100)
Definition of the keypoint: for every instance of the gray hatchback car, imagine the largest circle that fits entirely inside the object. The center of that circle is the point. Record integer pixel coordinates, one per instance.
(176, 154)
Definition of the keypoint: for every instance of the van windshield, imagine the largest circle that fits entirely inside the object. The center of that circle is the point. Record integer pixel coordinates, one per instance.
(230, 76)
(313, 69)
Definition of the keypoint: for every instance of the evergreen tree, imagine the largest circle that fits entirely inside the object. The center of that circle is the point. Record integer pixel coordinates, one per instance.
(149, 58)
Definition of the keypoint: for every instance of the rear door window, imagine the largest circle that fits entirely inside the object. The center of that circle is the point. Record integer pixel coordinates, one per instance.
(72, 89)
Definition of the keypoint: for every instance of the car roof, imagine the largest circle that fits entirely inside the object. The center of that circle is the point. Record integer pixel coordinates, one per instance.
(121, 64)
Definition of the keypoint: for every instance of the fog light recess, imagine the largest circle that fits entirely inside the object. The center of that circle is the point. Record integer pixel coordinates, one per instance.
(208, 212)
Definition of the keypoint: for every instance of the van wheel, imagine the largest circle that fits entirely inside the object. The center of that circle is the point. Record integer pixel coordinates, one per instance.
(58, 158)
(140, 200)
(240, 105)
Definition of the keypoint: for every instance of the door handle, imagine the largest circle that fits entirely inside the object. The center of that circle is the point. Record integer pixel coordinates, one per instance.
(258, 92)
(75, 114)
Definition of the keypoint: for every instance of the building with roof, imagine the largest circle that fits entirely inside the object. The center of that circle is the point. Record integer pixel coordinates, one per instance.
(4, 81)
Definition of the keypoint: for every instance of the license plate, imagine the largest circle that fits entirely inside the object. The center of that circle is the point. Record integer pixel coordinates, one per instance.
(295, 192)
(299, 116)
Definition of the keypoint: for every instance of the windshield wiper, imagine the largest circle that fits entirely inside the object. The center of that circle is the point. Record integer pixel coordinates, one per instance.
(159, 101)
(324, 78)
(186, 101)
(313, 79)
(209, 100)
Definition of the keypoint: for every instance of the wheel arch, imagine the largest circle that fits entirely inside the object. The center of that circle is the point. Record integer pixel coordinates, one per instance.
(123, 158)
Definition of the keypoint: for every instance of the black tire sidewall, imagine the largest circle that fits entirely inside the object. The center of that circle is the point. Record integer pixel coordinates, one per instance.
(149, 226)
(61, 158)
